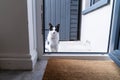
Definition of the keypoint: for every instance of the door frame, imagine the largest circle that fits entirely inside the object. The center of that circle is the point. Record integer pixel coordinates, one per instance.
(74, 55)
(79, 20)
(115, 27)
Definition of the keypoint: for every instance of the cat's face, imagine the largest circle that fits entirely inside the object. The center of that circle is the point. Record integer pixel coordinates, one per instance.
(54, 30)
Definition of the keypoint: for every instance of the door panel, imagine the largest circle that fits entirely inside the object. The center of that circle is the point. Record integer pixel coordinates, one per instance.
(58, 12)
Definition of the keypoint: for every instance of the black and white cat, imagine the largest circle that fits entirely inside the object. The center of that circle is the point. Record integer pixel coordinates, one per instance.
(51, 44)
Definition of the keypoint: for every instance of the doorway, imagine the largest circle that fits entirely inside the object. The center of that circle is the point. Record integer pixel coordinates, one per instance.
(86, 42)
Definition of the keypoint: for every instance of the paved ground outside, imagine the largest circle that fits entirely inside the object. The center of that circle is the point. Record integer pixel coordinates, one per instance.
(74, 46)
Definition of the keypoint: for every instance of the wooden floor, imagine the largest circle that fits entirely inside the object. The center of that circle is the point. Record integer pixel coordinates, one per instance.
(74, 46)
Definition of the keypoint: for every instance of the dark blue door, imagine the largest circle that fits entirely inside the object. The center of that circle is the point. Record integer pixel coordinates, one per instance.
(65, 13)
(58, 12)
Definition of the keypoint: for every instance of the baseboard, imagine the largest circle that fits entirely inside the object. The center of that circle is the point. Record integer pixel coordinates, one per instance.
(13, 61)
(34, 57)
(15, 55)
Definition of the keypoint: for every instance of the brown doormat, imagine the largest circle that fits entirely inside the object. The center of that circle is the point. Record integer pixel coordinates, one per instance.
(64, 69)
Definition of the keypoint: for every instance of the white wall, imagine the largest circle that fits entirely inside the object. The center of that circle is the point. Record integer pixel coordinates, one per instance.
(96, 26)
(17, 46)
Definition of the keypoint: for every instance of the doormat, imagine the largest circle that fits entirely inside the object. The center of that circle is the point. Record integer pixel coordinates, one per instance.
(66, 69)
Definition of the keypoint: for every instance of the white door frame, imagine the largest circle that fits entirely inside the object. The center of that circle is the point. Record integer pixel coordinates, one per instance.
(74, 55)
(31, 9)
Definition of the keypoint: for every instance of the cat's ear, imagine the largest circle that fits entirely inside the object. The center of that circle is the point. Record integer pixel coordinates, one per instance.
(57, 27)
(50, 26)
